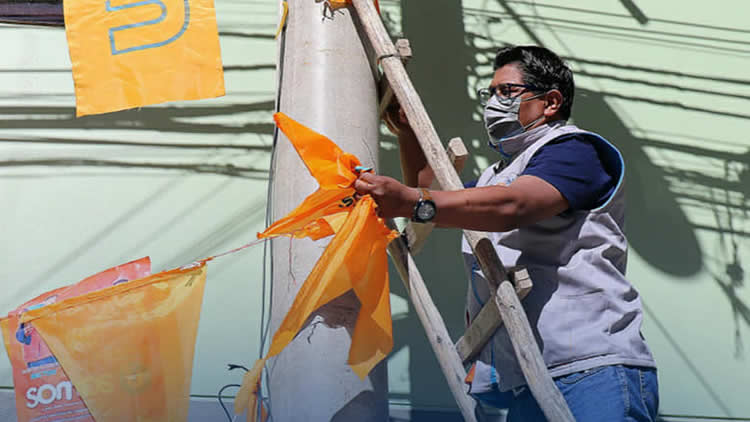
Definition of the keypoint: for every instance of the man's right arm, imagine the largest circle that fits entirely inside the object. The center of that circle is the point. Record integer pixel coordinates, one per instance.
(414, 167)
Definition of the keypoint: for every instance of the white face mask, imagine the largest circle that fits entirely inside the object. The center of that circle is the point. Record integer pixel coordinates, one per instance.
(501, 120)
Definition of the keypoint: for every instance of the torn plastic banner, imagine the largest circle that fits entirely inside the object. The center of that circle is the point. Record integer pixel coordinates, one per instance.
(354, 260)
(125, 55)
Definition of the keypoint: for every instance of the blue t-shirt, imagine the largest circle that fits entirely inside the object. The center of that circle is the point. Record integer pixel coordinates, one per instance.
(573, 166)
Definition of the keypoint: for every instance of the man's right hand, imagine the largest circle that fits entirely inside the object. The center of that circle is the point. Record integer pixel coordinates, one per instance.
(395, 119)
(414, 166)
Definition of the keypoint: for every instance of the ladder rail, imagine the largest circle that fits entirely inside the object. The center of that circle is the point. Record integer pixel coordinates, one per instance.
(417, 233)
(529, 357)
(437, 334)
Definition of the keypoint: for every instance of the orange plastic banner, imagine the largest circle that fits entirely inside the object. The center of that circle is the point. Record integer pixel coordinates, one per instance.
(331, 167)
(355, 259)
(132, 53)
(128, 349)
(43, 390)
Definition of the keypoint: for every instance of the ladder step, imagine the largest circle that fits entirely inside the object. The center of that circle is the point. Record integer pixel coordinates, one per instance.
(488, 320)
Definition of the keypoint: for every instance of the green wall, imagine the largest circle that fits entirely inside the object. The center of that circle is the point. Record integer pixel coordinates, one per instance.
(665, 81)
(61, 222)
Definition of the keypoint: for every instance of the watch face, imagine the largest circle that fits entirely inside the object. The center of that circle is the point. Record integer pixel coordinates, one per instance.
(426, 211)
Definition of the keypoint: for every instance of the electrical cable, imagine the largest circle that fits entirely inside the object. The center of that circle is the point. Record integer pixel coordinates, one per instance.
(265, 326)
(265, 323)
(233, 366)
(230, 367)
(229, 417)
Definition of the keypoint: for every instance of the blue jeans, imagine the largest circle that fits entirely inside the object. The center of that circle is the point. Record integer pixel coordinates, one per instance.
(607, 393)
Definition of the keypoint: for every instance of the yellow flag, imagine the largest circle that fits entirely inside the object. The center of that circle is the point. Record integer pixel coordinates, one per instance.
(128, 349)
(131, 53)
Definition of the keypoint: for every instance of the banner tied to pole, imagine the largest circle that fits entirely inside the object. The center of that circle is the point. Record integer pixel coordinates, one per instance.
(355, 259)
(125, 351)
(128, 53)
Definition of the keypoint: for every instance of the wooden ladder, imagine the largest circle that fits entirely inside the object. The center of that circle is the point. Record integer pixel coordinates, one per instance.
(505, 306)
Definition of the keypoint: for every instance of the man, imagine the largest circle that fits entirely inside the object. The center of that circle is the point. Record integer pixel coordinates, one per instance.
(554, 204)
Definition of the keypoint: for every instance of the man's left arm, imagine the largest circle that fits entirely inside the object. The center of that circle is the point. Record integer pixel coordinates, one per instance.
(527, 200)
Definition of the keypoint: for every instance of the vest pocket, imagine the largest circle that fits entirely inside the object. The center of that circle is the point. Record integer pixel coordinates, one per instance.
(576, 327)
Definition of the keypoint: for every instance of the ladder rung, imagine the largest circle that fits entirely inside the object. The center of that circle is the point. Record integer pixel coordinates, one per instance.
(488, 320)
(434, 327)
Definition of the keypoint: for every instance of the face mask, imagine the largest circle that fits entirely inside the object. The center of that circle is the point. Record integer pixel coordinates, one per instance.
(501, 121)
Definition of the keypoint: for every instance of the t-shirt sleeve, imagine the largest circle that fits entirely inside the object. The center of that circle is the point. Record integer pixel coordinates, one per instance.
(572, 165)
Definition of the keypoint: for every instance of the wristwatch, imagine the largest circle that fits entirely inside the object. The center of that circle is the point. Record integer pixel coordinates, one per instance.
(425, 209)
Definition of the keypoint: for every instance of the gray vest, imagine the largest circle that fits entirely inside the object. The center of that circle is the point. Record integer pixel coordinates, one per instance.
(582, 310)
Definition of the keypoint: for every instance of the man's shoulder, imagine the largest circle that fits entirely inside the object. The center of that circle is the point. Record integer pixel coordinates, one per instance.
(568, 146)
(582, 166)
(581, 145)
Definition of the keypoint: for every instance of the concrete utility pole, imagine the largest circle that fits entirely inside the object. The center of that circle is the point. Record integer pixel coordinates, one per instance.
(327, 84)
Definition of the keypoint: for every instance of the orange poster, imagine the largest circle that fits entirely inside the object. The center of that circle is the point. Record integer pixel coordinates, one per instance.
(43, 390)
(128, 349)
(132, 53)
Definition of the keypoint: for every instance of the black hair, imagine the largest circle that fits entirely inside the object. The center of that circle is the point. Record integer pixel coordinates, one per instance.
(542, 68)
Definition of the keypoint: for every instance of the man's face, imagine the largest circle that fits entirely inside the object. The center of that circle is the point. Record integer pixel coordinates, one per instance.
(530, 110)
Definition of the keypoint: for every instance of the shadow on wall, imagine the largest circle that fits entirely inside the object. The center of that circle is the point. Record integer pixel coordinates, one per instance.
(168, 143)
(655, 222)
(447, 58)
(658, 195)
(207, 118)
(166, 119)
(658, 228)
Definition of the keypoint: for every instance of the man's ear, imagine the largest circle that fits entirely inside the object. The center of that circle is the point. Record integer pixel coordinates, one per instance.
(552, 102)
